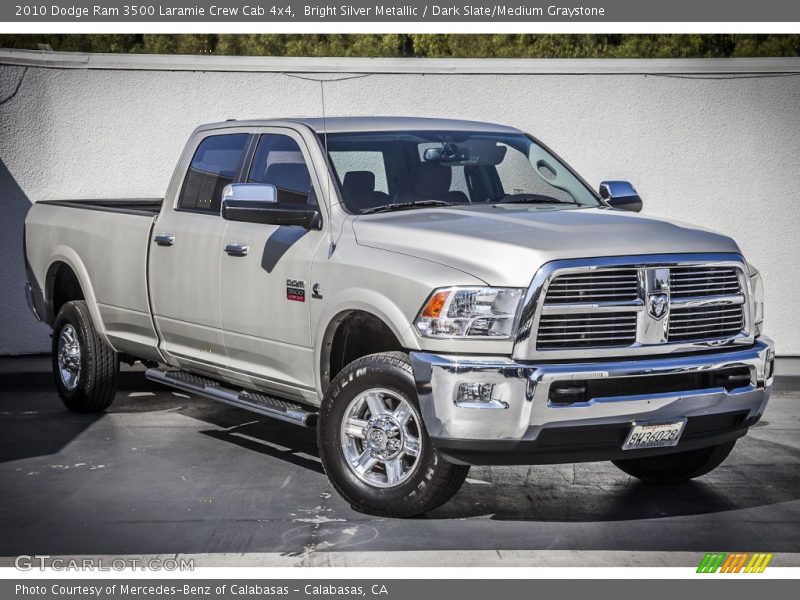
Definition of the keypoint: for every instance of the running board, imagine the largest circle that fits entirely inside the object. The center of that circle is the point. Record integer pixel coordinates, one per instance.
(253, 401)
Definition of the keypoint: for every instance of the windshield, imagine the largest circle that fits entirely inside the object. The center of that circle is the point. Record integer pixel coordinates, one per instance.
(396, 170)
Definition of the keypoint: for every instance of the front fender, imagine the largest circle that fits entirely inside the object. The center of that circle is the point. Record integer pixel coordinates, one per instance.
(387, 285)
(363, 300)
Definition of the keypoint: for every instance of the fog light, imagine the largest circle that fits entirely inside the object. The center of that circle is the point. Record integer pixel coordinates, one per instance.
(475, 392)
(769, 368)
(477, 395)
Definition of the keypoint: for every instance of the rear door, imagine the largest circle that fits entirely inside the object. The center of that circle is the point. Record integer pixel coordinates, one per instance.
(265, 293)
(186, 251)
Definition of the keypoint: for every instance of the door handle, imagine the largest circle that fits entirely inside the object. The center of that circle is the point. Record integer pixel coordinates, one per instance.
(237, 249)
(164, 239)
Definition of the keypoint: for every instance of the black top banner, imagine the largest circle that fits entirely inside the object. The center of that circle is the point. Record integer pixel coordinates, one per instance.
(473, 11)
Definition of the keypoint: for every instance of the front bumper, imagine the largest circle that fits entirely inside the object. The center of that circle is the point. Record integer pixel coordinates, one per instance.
(521, 425)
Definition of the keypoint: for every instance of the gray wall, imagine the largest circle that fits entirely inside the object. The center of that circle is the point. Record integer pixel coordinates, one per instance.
(715, 143)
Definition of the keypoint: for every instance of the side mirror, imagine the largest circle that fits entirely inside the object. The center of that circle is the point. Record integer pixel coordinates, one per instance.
(258, 203)
(621, 195)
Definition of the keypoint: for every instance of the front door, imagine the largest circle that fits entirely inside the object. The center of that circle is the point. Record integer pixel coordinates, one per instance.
(185, 255)
(266, 290)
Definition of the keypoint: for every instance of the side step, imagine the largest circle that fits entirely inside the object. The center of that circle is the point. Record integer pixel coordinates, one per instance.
(269, 406)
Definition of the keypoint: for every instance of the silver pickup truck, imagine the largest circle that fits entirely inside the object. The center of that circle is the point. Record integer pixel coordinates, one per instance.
(429, 294)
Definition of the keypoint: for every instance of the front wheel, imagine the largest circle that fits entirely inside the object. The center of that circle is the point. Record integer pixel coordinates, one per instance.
(681, 466)
(373, 443)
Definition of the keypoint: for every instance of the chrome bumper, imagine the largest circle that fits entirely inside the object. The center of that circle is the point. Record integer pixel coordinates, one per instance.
(520, 408)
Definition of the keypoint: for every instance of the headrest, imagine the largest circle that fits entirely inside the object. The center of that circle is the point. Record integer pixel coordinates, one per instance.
(289, 176)
(358, 183)
(431, 180)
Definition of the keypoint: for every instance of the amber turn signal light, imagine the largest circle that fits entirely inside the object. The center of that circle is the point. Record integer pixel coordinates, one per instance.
(435, 305)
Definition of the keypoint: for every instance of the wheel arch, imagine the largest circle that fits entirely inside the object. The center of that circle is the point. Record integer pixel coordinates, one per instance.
(352, 333)
(66, 280)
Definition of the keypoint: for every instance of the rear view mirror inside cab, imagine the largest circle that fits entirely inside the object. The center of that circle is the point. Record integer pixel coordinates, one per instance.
(447, 152)
(477, 152)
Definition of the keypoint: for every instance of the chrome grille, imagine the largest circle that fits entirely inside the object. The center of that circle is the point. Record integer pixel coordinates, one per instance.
(704, 323)
(602, 286)
(586, 330)
(700, 281)
(637, 307)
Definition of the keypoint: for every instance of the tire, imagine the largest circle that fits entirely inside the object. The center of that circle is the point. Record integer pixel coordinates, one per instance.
(681, 466)
(392, 481)
(86, 370)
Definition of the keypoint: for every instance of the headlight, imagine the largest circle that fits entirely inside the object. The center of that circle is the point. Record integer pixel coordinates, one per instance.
(757, 285)
(469, 312)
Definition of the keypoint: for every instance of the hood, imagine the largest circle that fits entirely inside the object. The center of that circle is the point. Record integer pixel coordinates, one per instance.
(506, 245)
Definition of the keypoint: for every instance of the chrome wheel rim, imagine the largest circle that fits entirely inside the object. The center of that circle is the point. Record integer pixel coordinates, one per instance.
(69, 357)
(381, 437)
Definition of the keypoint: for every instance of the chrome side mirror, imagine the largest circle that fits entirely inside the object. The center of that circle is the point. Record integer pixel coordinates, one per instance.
(621, 195)
(250, 192)
(258, 203)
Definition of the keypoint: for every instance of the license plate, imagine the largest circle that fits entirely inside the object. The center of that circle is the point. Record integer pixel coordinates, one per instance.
(654, 435)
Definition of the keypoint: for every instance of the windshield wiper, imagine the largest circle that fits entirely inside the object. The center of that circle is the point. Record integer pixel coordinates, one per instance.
(405, 206)
(530, 199)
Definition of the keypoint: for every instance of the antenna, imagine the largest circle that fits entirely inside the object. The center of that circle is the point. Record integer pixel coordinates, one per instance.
(331, 243)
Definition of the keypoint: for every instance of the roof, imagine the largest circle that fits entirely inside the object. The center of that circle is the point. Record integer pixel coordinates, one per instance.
(353, 124)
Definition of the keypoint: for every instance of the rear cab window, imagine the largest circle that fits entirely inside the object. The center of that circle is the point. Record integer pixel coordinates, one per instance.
(214, 165)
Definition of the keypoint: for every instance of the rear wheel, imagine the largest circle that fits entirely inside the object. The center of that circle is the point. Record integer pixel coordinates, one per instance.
(86, 370)
(373, 443)
(681, 466)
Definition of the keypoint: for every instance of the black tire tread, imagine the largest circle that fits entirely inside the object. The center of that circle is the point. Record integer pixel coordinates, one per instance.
(447, 477)
(100, 368)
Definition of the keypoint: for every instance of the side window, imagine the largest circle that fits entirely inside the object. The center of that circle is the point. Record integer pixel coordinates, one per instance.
(279, 161)
(213, 167)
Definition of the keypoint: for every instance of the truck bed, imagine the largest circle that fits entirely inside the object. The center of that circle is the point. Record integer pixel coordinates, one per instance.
(106, 244)
(137, 206)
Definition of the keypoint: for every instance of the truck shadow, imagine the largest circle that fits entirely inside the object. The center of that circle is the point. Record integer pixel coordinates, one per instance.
(34, 428)
(33, 421)
(593, 492)
(274, 439)
(598, 492)
(759, 473)
(250, 431)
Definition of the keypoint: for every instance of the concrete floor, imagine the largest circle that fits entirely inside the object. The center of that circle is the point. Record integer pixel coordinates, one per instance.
(164, 473)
